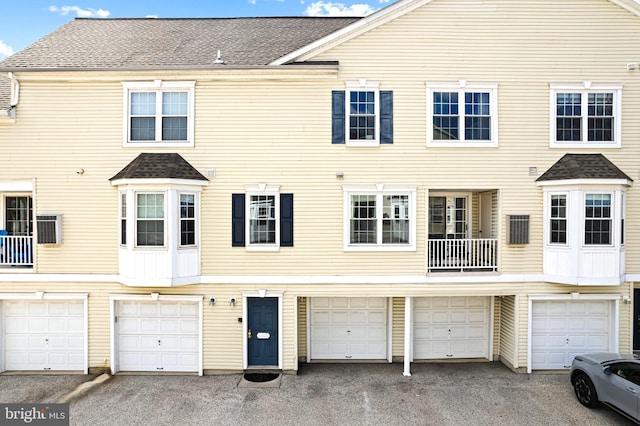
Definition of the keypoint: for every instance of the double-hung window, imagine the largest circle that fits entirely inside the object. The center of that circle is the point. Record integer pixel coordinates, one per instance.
(597, 219)
(558, 219)
(150, 219)
(159, 112)
(123, 218)
(379, 217)
(462, 114)
(262, 218)
(362, 115)
(187, 220)
(585, 115)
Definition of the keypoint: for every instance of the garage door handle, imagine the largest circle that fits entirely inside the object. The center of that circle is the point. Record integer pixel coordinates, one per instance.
(348, 356)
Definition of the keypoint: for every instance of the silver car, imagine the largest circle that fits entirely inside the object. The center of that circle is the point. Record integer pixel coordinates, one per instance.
(608, 378)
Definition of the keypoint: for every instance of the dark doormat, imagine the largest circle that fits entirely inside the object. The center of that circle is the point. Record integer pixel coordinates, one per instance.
(260, 377)
(260, 380)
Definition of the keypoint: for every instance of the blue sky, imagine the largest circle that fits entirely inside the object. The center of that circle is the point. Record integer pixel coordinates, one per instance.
(23, 22)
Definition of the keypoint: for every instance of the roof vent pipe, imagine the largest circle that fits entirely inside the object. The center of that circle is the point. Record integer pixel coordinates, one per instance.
(218, 59)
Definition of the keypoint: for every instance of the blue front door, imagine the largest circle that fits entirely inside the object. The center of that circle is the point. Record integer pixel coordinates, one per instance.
(262, 331)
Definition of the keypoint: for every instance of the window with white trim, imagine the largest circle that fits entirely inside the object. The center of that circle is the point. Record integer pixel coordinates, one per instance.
(379, 217)
(462, 114)
(558, 219)
(263, 219)
(585, 115)
(123, 218)
(159, 112)
(597, 219)
(187, 220)
(363, 111)
(150, 219)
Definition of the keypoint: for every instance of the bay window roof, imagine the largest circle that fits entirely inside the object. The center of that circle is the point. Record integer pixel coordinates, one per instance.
(159, 166)
(583, 166)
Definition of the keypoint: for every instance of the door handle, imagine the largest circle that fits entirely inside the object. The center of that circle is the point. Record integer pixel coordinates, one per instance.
(632, 390)
(249, 335)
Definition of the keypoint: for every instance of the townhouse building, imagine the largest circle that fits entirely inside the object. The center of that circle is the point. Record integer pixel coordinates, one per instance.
(440, 180)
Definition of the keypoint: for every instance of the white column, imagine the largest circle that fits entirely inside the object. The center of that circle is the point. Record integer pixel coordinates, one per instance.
(407, 337)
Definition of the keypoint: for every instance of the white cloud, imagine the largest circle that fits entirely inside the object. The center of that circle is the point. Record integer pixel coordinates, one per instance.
(321, 8)
(5, 50)
(81, 13)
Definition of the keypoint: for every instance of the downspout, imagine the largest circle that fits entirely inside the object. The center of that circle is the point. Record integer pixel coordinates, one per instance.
(15, 95)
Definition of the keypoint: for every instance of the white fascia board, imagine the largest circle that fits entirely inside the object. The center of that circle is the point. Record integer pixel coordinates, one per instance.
(585, 182)
(43, 295)
(152, 181)
(490, 278)
(157, 297)
(349, 32)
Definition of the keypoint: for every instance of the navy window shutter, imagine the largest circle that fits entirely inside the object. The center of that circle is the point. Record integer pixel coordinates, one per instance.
(286, 220)
(386, 116)
(237, 220)
(338, 116)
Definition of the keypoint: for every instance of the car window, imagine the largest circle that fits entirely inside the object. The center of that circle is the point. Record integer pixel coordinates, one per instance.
(627, 370)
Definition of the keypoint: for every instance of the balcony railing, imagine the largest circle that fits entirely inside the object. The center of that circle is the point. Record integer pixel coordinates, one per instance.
(16, 250)
(478, 254)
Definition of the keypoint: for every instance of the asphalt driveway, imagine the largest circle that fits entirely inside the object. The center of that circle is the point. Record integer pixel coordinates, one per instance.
(323, 394)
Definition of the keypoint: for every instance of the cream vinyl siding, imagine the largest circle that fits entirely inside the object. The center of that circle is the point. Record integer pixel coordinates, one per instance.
(302, 329)
(397, 331)
(508, 333)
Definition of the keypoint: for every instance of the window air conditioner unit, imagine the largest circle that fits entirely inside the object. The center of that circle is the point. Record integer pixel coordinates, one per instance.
(49, 229)
(518, 229)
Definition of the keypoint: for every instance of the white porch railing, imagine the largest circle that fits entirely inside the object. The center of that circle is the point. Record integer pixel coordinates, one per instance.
(16, 250)
(463, 254)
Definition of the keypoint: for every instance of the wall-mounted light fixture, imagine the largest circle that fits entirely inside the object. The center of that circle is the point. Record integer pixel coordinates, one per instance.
(232, 301)
(212, 301)
(339, 175)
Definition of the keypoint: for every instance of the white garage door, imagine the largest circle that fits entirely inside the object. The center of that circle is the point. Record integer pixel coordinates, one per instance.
(560, 330)
(157, 336)
(44, 335)
(451, 327)
(348, 328)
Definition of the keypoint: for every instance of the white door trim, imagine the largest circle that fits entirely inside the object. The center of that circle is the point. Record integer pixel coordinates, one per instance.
(113, 298)
(43, 295)
(245, 346)
(614, 343)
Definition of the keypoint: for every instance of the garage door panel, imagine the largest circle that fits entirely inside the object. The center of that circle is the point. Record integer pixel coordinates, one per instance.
(321, 333)
(562, 329)
(348, 328)
(440, 317)
(339, 317)
(44, 335)
(444, 326)
(158, 336)
(476, 332)
(149, 325)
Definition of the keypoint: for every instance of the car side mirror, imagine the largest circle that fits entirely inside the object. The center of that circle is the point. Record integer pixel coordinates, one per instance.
(607, 370)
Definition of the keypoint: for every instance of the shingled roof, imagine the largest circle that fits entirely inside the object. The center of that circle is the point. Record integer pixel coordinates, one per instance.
(150, 43)
(583, 166)
(159, 166)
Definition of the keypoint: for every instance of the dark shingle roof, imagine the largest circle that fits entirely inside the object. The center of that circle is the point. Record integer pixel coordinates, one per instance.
(583, 166)
(172, 43)
(159, 166)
